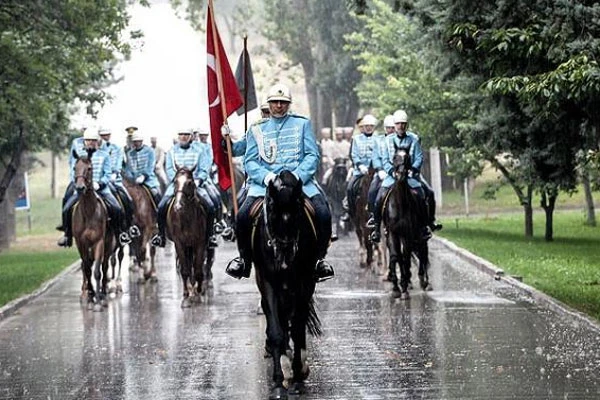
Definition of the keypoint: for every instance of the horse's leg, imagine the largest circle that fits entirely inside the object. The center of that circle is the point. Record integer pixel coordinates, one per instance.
(84, 282)
(87, 271)
(98, 259)
(405, 274)
(299, 366)
(393, 249)
(207, 270)
(184, 271)
(275, 339)
(423, 255)
(199, 270)
(153, 276)
(120, 256)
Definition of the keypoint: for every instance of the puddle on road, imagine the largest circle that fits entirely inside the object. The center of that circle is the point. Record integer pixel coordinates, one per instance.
(460, 297)
(352, 294)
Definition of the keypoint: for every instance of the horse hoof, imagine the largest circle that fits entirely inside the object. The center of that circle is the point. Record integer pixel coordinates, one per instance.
(410, 286)
(153, 278)
(186, 303)
(428, 288)
(104, 303)
(297, 388)
(396, 293)
(278, 393)
(90, 305)
(98, 307)
(405, 295)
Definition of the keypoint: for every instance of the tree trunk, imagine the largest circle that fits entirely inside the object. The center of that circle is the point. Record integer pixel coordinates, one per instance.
(324, 112)
(526, 202)
(548, 203)
(590, 212)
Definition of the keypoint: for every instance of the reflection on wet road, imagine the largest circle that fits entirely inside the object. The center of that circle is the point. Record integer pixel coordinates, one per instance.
(470, 338)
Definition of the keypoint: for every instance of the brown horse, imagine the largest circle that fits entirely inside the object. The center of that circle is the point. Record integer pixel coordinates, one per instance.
(145, 218)
(186, 227)
(359, 219)
(95, 241)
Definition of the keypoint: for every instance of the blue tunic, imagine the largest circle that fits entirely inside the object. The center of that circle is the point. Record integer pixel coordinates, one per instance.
(362, 152)
(193, 156)
(409, 141)
(278, 144)
(77, 147)
(116, 159)
(141, 163)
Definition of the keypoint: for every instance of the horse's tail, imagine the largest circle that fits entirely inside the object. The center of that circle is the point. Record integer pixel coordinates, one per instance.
(313, 323)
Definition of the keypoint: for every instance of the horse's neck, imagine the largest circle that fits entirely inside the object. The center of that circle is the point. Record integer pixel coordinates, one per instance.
(88, 201)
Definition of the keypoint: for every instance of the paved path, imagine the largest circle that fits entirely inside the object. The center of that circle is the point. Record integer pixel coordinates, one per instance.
(470, 338)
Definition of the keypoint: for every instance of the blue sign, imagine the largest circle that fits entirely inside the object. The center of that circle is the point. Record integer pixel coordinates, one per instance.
(22, 202)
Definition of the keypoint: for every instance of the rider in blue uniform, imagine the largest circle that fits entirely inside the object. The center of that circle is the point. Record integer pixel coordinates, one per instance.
(101, 169)
(361, 154)
(186, 153)
(282, 142)
(140, 165)
(378, 151)
(116, 181)
(409, 140)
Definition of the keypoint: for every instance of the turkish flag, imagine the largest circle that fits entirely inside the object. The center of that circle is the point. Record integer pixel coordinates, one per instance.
(218, 67)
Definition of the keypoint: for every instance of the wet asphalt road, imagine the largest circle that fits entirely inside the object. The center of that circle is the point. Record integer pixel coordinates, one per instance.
(470, 338)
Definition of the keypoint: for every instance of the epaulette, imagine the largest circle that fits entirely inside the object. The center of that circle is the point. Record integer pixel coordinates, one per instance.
(297, 116)
(259, 121)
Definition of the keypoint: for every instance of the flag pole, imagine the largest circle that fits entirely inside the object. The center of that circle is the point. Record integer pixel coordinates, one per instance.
(223, 106)
(245, 84)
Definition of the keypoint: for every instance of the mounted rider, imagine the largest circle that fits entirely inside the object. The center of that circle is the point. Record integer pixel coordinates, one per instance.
(101, 168)
(140, 166)
(409, 140)
(116, 184)
(189, 154)
(209, 184)
(390, 128)
(77, 150)
(361, 154)
(283, 142)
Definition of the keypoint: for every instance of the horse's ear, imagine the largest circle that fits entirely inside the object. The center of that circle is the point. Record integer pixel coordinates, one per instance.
(90, 152)
(194, 167)
(75, 154)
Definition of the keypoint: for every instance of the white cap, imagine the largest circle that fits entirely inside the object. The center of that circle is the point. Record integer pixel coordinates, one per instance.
(104, 131)
(137, 135)
(185, 130)
(279, 92)
(90, 135)
(400, 116)
(388, 121)
(369, 120)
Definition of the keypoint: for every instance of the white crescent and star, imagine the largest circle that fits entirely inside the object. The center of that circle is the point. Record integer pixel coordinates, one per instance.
(212, 64)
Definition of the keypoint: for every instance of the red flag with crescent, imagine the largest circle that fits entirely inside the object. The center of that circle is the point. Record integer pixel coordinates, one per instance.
(230, 96)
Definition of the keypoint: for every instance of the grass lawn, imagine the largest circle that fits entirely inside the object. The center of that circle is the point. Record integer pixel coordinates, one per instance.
(567, 269)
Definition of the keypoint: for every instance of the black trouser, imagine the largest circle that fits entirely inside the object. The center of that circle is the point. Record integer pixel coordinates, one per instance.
(350, 193)
(156, 195)
(429, 200)
(119, 192)
(373, 190)
(244, 227)
(215, 197)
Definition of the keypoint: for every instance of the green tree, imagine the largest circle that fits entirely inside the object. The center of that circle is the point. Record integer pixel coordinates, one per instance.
(52, 54)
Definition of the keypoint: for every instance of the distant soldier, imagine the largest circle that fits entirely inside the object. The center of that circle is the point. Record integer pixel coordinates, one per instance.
(140, 166)
(380, 143)
(326, 150)
(159, 167)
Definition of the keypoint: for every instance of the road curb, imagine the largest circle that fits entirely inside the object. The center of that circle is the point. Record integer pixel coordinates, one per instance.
(11, 307)
(538, 297)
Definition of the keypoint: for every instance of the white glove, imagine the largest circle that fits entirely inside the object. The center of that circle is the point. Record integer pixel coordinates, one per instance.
(410, 173)
(269, 178)
(113, 177)
(140, 179)
(96, 186)
(225, 131)
(382, 175)
(363, 169)
(197, 182)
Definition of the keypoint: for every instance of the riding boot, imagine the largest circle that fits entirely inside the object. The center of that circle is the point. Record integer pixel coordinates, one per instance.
(323, 270)
(122, 227)
(67, 239)
(433, 224)
(346, 207)
(159, 240)
(241, 266)
(128, 211)
(377, 214)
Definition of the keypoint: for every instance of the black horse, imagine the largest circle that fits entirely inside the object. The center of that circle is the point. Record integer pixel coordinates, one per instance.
(404, 216)
(284, 256)
(335, 188)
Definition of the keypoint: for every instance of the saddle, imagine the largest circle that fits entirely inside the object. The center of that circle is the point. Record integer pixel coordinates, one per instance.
(256, 213)
(149, 194)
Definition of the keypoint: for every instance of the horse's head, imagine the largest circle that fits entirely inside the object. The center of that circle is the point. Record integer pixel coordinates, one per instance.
(184, 185)
(83, 172)
(284, 202)
(401, 162)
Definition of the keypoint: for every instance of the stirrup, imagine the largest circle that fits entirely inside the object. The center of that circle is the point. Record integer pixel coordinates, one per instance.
(371, 223)
(228, 234)
(375, 236)
(434, 226)
(323, 271)
(219, 227)
(334, 237)
(426, 233)
(212, 242)
(124, 238)
(134, 231)
(345, 217)
(158, 241)
(65, 241)
(237, 268)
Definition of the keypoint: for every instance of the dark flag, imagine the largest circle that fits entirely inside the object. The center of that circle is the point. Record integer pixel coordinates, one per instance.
(250, 95)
